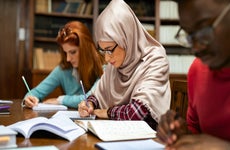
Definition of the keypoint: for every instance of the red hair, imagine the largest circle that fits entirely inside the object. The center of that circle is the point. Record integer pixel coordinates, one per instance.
(90, 61)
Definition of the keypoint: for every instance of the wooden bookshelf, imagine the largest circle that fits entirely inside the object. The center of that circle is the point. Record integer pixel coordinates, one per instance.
(53, 16)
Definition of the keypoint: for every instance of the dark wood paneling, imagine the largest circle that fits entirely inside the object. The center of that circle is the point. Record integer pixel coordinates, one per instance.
(11, 50)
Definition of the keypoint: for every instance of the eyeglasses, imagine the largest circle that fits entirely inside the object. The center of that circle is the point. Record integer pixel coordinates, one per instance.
(203, 36)
(104, 51)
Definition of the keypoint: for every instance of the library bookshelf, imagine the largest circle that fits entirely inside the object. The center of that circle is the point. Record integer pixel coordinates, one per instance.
(48, 16)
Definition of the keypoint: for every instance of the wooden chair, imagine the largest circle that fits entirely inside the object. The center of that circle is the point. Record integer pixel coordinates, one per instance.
(179, 99)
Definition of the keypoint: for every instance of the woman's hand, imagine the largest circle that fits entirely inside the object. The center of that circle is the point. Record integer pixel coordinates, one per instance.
(31, 101)
(85, 109)
(199, 142)
(170, 127)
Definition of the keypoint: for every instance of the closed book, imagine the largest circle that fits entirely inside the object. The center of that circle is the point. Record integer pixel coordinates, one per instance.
(4, 109)
(7, 137)
(5, 112)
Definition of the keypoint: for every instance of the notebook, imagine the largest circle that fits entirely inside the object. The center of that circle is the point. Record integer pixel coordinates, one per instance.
(73, 115)
(43, 106)
(114, 130)
(148, 144)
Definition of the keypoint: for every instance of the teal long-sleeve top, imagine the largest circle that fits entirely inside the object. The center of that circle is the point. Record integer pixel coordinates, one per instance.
(67, 81)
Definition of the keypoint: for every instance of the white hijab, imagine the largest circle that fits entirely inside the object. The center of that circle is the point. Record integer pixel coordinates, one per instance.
(144, 74)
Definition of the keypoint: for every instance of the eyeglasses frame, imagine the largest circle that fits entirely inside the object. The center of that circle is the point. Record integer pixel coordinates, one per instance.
(109, 52)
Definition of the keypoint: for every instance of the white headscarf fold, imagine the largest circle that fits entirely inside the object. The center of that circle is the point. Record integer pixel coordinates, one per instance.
(144, 74)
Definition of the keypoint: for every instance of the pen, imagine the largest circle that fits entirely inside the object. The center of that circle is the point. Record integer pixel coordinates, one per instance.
(84, 93)
(91, 117)
(4, 107)
(24, 80)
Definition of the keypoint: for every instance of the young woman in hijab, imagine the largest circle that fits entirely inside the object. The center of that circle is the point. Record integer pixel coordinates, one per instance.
(79, 61)
(135, 85)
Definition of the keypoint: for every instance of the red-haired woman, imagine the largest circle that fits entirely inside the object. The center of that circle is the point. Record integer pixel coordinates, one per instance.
(79, 61)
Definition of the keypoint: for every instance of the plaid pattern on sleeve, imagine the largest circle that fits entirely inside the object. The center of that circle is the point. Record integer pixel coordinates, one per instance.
(132, 111)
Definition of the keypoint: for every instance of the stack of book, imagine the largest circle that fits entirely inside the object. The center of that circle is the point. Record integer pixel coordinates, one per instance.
(5, 106)
(7, 137)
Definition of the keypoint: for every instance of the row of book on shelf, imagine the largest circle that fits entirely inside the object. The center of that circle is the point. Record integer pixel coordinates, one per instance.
(168, 9)
(180, 64)
(46, 59)
(140, 7)
(80, 7)
(167, 33)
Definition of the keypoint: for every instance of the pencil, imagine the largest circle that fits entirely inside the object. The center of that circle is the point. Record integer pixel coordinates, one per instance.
(24, 80)
(84, 93)
(90, 116)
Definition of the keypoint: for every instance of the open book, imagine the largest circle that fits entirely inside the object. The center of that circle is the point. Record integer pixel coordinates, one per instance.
(112, 130)
(63, 127)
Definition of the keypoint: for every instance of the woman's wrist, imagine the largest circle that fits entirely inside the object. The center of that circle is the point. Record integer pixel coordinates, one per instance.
(109, 112)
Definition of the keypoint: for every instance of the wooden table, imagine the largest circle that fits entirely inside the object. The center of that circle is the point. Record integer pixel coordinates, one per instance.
(84, 142)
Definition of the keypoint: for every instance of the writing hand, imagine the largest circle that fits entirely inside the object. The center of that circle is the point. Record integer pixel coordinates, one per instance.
(199, 142)
(31, 101)
(84, 110)
(170, 127)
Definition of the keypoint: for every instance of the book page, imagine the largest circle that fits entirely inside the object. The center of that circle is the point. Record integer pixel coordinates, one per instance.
(24, 127)
(112, 130)
(63, 127)
(73, 115)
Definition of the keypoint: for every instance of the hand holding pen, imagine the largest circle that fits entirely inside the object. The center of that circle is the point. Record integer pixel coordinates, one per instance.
(85, 108)
(170, 127)
(30, 100)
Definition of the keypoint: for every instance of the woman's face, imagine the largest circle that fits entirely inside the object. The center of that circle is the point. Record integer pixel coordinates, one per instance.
(72, 54)
(118, 55)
